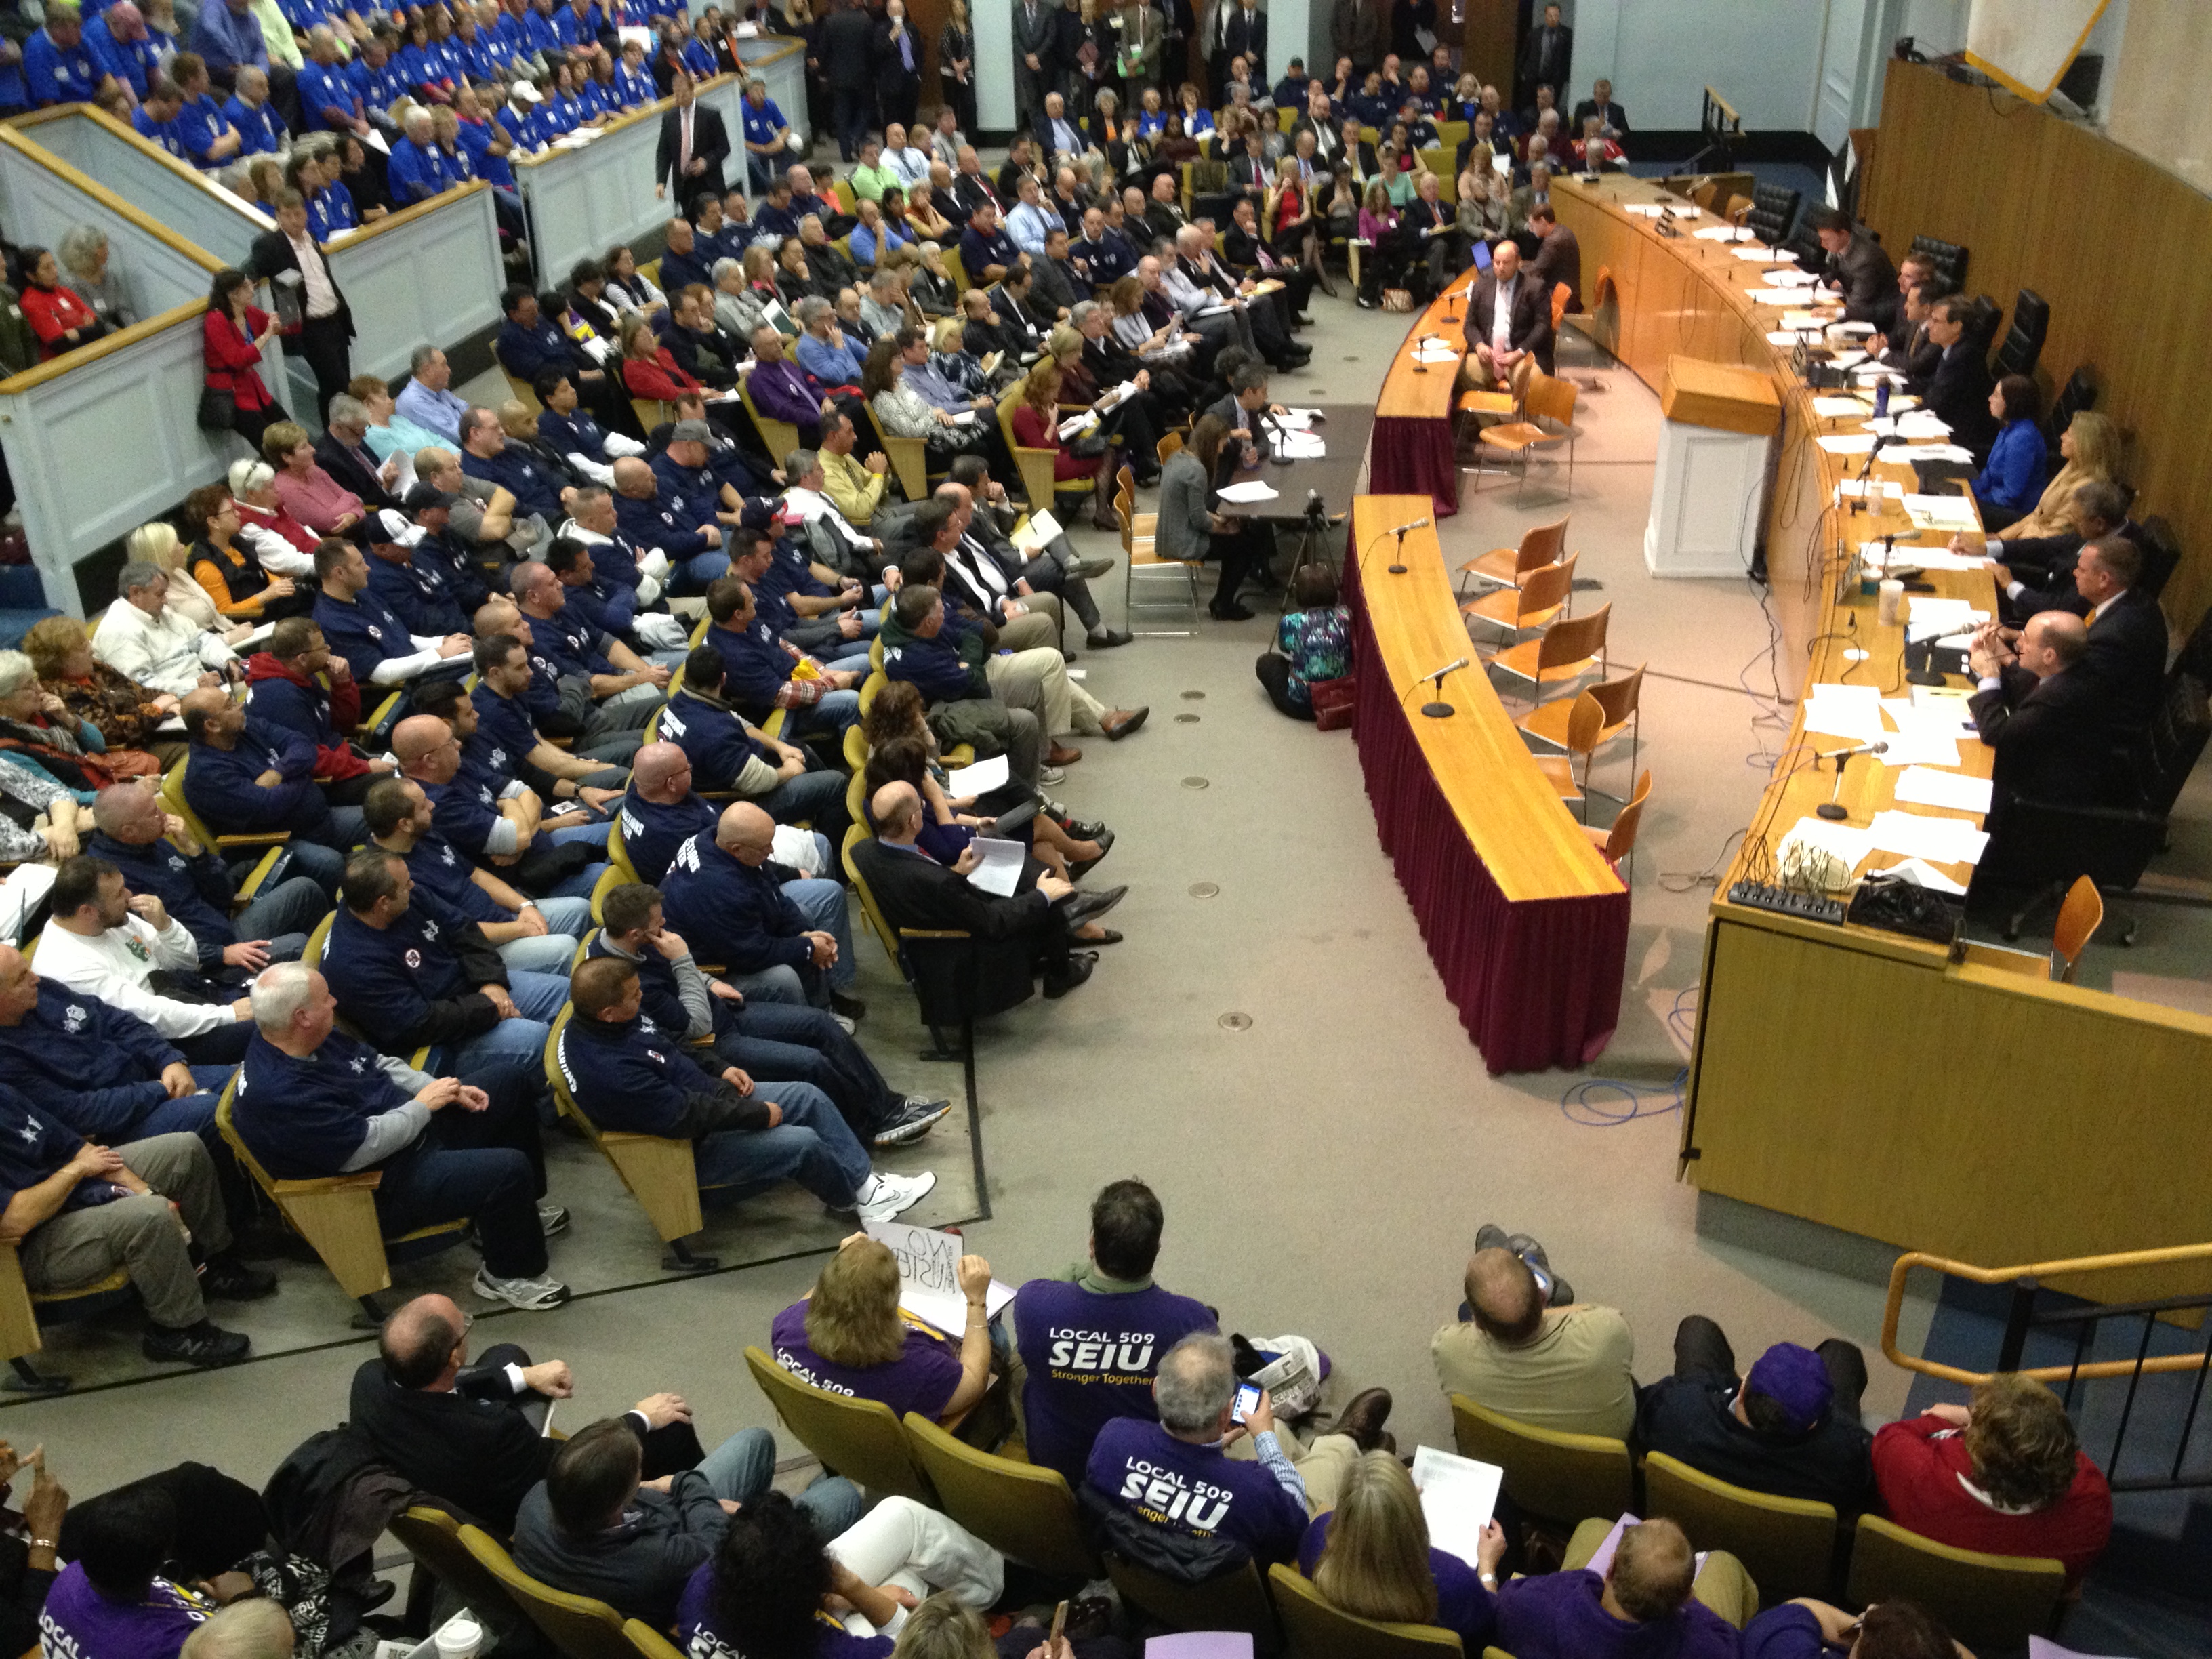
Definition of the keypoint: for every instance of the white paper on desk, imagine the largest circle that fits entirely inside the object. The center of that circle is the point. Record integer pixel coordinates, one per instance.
(1921, 873)
(1842, 691)
(1949, 717)
(1298, 420)
(1850, 358)
(980, 779)
(1647, 210)
(1941, 512)
(1926, 608)
(1001, 869)
(1790, 337)
(1926, 787)
(1754, 256)
(1855, 489)
(929, 1275)
(1805, 320)
(1910, 453)
(1777, 296)
(1940, 841)
(1300, 446)
(1920, 424)
(1247, 495)
(1854, 328)
(1875, 374)
(1793, 278)
(1847, 443)
(1458, 1497)
(1724, 234)
(1920, 747)
(1839, 408)
(1852, 722)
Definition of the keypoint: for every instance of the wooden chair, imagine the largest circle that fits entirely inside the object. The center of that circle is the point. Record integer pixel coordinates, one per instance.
(1586, 719)
(859, 1439)
(172, 797)
(648, 1642)
(870, 912)
(1566, 652)
(660, 1172)
(1704, 194)
(2078, 917)
(1987, 1602)
(19, 1319)
(1451, 135)
(1505, 567)
(1139, 553)
(1170, 443)
(1548, 398)
(609, 878)
(956, 271)
(337, 1215)
(650, 412)
(1787, 1543)
(1551, 1474)
(1621, 699)
(1036, 462)
(780, 437)
(1536, 602)
(1735, 208)
(433, 1537)
(909, 459)
(1019, 1508)
(1618, 841)
(651, 271)
(1598, 323)
(1234, 1601)
(577, 1626)
(1312, 1629)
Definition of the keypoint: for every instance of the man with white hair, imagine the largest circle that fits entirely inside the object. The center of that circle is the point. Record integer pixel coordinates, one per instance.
(261, 130)
(313, 1101)
(419, 168)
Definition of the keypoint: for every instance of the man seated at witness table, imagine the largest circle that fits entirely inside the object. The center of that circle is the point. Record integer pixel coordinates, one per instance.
(535, 936)
(2003, 1473)
(314, 1101)
(1791, 1429)
(780, 935)
(2127, 648)
(157, 854)
(1016, 939)
(1091, 1338)
(1509, 327)
(472, 1430)
(1560, 1364)
(778, 1042)
(1857, 268)
(2098, 509)
(631, 1076)
(1911, 353)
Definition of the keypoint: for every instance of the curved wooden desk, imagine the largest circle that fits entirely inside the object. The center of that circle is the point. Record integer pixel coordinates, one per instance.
(1411, 450)
(1526, 922)
(1856, 1077)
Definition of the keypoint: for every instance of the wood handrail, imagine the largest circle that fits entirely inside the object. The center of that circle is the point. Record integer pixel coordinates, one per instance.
(781, 53)
(652, 111)
(138, 140)
(404, 216)
(54, 367)
(76, 180)
(2036, 1270)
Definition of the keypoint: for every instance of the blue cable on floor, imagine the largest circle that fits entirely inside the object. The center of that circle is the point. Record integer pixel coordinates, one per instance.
(1606, 1102)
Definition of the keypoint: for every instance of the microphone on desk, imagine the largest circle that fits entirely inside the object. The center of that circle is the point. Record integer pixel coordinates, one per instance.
(1437, 709)
(1831, 809)
(1398, 558)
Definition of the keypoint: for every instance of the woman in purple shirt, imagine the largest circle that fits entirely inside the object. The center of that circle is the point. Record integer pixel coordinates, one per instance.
(849, 1338)
(1370, 1556)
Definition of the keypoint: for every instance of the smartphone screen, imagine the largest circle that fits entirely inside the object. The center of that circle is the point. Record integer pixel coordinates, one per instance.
(1248, 1399)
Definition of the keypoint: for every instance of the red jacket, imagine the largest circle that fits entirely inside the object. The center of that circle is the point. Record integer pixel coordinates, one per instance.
(51, 313)
(339, 707)
(233, 364)
(659, 378)
(1919, 1466)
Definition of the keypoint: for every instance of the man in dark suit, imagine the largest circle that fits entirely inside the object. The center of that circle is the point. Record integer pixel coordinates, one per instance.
(694, 144)
(1016, 939)
(848, 43)
(1508, 325)
(1958, 392)
(1034, 23)
(1559, 256)
(2125, 657)
(474, 1435)
(898, 64)
(2098, 508)
(1600, 103)
(1238, 29)
(1911, 351)
(342, 452)
(2044, 716)
(1857, 267)
(1547, 58)
(322, 327)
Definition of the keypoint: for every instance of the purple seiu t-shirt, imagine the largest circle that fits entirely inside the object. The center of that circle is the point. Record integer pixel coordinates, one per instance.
(921, 1379)
(694, 1628)
(1196, 1490)
(1090, 1356)
(1558, 1615)
(80, 1623)
(1463, 1605)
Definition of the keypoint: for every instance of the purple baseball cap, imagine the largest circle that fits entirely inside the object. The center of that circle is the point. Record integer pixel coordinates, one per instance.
(1795, 1379)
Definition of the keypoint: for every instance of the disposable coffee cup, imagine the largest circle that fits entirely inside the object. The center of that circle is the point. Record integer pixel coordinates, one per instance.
(459, 1637)
(1890, 600)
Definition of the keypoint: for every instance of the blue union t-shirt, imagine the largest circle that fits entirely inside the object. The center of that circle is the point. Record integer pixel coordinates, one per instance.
(921, 1379)
(1092, 1356)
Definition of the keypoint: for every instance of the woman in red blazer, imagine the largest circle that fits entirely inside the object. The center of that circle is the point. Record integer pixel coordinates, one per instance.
(60, 320)
(235, 331)
(647, 368)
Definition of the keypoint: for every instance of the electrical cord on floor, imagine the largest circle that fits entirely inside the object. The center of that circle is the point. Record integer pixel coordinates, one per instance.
(1606, 1103)
(1683, 881)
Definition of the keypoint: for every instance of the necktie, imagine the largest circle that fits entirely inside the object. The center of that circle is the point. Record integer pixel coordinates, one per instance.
(906, 51)
(683, 148)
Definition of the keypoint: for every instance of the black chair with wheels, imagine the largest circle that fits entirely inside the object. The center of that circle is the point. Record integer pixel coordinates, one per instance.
(1774, 210)
(2023, 342)
(2080, 392)
(1949, 258)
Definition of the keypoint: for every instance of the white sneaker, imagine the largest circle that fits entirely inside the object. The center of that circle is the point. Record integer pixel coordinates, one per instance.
(886, 1196)
(531, 1295)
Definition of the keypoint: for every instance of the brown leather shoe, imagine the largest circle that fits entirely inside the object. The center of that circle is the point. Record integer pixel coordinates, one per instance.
(1363, 1418)
(1122, 721)
(1063, 755)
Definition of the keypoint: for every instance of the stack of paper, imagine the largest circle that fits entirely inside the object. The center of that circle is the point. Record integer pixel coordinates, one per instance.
(1790, 337)
(1961, 794)
(1801, 319)
(929, 1276)
(1793, 278)
(1929, 618)
(1300, 419)
(1847, 443)
(1247, 495)
(999, 866)
(1035, 533)
(1943, 512)
(1940, 841)
(1436, 351)
(1920, 748)
(1854, 328)
(1850, 712)
(1777, 296)
(1932, 453)
(1458, 1497)
(1300, 446)
(1724, 234)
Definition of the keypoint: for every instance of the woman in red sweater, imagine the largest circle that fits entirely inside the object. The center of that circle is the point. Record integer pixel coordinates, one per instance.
(60, 320)
(647, 368)
(235, 331)
(2003, 1474)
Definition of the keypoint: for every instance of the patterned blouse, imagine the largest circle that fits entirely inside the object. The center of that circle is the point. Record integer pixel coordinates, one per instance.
(117, 706)
(1318, 644)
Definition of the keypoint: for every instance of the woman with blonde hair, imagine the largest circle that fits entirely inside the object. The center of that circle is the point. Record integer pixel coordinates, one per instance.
(158, 545)
(1370, 1556)
(2091, 448)
(849, 1337)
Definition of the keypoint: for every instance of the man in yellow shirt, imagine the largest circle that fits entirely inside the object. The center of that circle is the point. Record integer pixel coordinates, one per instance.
(861, 492)
(1563, 1367)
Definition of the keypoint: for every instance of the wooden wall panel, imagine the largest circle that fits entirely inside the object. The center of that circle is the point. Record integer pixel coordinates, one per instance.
(2120, 247)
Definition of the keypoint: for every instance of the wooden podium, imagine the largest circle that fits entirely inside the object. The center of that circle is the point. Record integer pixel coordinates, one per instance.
(1708, 491)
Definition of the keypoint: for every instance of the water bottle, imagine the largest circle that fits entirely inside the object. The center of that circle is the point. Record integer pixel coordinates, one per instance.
(1881, 400)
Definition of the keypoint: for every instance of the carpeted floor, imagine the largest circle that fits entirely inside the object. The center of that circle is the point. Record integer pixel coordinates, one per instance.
(1270, 1048)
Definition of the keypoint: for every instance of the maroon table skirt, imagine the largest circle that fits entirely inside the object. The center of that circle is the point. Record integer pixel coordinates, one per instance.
(1413, 458)
(1537, 983)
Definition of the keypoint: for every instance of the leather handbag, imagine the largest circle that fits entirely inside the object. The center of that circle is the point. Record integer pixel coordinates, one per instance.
(218, 410)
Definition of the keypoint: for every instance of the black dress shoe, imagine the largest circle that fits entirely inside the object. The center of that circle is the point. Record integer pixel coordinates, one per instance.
(1079, 907)
(1230, 612)
(1082, 867)
(1105, 936)
(1107, 638)
(1084, 828)
(1079, 970)
(1363, 1418)
(851, 1006)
